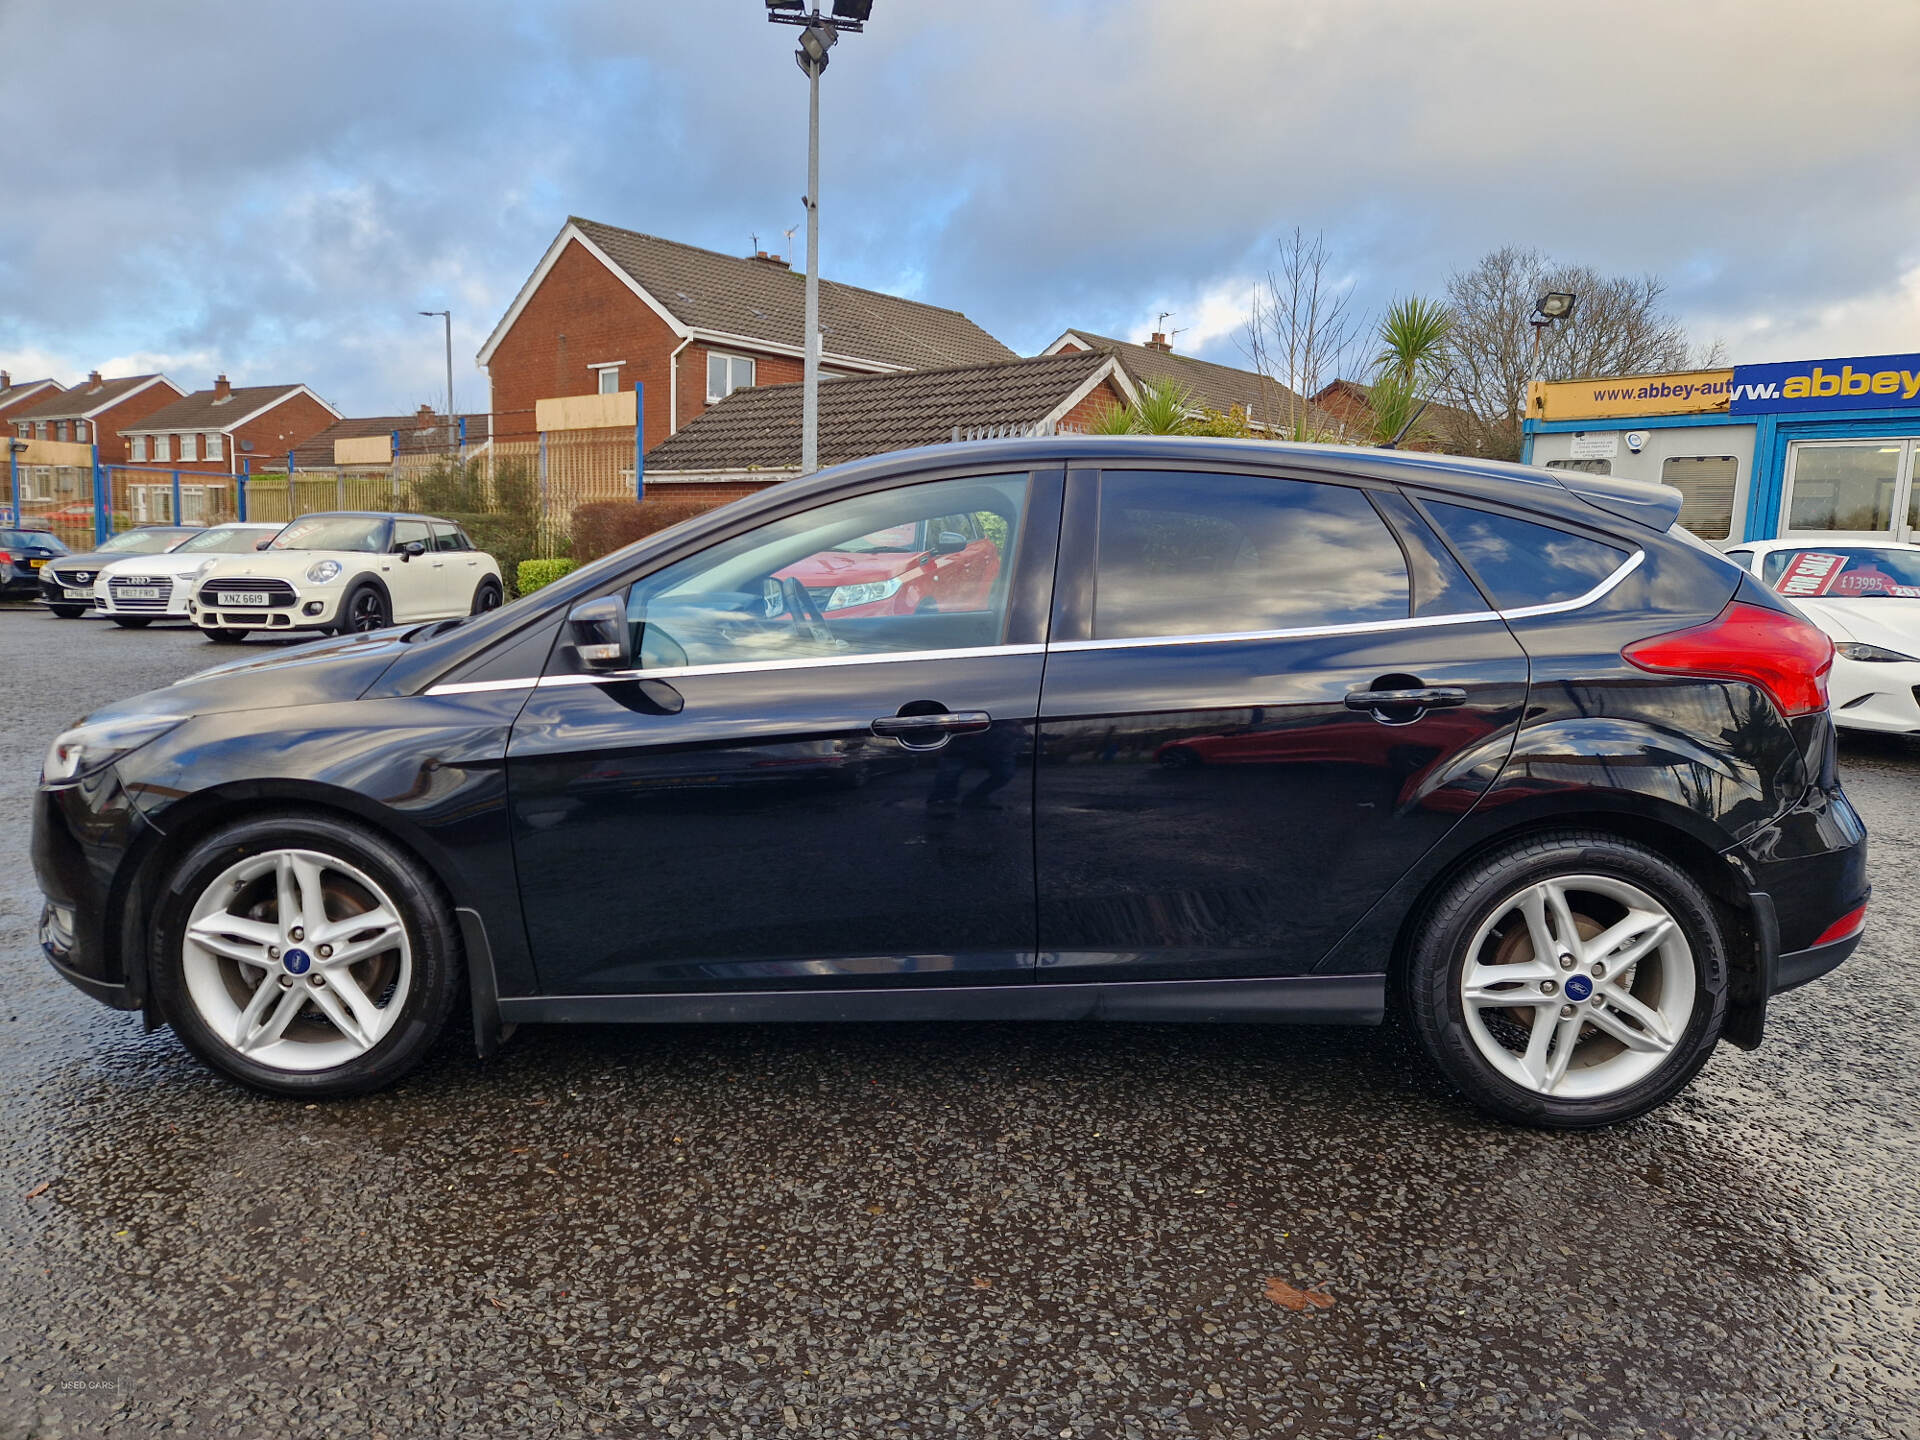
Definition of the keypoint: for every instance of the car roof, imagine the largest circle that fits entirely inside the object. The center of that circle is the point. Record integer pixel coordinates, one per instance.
(370, 515)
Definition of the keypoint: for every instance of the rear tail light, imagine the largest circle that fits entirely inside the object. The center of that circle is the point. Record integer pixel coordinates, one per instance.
(1851, 923)
(6, 557)
(1784, 655)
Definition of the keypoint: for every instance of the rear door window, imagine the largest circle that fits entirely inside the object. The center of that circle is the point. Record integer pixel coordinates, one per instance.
(1213, 554)
(1520, 563)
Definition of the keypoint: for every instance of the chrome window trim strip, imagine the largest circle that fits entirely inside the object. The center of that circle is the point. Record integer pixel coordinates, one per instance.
(815, 662)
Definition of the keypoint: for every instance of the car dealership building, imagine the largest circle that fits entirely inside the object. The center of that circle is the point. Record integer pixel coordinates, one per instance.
(1805, 447)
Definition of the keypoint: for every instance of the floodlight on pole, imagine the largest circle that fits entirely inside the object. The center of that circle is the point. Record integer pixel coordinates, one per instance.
(817, 37)
(453, 443)
(1552, 306)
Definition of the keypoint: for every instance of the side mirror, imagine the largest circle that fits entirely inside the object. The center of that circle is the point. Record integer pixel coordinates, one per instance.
(949, 542)
(601, 636)
(412, 548)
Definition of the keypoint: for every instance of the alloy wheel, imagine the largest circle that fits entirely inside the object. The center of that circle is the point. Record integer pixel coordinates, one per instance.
(365, 613)
(297, 960)
(1578, 986)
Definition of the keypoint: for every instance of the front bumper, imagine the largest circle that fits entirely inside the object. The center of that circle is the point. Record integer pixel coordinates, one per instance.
(54, 594)
(1878, 695)
(173, 607)
(82, 834)
(310, 609)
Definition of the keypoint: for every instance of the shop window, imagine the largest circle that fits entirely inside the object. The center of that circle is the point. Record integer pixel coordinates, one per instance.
(1705, 483)
(1844, 487)
(1585, 467)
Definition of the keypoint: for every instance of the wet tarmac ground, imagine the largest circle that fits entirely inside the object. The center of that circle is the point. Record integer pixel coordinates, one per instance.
(942, 1230)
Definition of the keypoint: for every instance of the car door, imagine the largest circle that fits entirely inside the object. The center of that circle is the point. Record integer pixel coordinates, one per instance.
(413, 583)
(458, 568)
(778, 793)
(1263, 703)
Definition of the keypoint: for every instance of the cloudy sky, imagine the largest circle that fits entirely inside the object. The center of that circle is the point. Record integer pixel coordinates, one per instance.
(274, 189)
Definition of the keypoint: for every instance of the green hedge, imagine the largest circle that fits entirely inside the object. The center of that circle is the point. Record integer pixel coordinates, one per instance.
(535, 573)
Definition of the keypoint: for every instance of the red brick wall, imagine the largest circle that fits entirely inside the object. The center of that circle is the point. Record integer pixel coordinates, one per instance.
(126, 415)
(23, 402)
(581, 314)
(767, 370)
(1102, 398)
(702, 491)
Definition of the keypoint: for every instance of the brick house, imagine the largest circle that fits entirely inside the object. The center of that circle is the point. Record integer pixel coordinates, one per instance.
(1269, 405)
(422, 433)
(606, 308)
(752, 439)
(96, 411)
(215, 431)
(19, 394)
(1439, 428)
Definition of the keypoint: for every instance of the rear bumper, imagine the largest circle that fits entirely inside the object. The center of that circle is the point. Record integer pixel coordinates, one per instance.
(1797, 967)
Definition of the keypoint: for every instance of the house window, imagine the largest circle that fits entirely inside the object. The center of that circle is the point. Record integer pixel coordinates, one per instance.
(80, 431)
(60, 430)
(137, 450)
(40, 430)
(163, 447)
(726, 374)
(189, 447)
(609, 379)
(215, 448)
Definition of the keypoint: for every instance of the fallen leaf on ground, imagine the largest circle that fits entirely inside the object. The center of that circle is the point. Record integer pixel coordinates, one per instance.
(980, 1284)
(495, 1303)
(39, 1190)
(1288, 1298)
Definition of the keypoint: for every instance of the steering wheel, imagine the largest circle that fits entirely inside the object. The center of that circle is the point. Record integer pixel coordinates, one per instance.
(804, 612)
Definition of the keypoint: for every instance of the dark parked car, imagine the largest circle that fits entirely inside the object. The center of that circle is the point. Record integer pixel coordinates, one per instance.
(23, 554)
(66, 588)
(1603, 830)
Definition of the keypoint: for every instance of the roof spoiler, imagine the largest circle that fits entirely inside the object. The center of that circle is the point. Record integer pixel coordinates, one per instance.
(1652, 505)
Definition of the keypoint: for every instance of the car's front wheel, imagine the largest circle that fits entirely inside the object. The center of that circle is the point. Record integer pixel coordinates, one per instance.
(304, 955)
(1569, 980)
(132, 622)
(68, 612)
(226, 637)
(363, 609)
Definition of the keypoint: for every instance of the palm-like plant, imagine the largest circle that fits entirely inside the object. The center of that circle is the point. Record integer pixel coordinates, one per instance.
(1163, 407)
(1413, 339)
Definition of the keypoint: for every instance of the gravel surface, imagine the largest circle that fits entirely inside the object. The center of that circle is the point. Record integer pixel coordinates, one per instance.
(919, 1230)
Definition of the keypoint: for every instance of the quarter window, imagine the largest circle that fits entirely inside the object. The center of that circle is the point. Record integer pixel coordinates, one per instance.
(1201, 554)
(851, 578)
(445, 537)
(726, 374)
(1519, 563)
(1705, 483)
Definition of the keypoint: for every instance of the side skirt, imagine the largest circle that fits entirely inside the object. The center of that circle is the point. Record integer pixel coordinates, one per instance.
(1295, 1000)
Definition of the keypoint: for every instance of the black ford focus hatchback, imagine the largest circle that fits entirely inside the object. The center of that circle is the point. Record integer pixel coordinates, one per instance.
(1072, 728)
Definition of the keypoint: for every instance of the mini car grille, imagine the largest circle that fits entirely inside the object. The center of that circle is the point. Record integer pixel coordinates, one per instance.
(215, 592)
(120, 584)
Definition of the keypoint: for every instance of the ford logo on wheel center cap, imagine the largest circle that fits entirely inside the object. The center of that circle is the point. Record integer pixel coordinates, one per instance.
(1578, 986)
(297, 962)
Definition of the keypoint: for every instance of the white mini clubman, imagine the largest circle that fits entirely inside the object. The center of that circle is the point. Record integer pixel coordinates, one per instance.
(345, 571)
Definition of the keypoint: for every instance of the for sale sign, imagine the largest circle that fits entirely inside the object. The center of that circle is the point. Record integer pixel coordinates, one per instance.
(1811, 573)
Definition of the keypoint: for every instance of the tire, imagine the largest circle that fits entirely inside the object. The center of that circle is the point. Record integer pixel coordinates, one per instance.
(1621, 1062)
(363, 609)
(131, 622)
(226, 637)
(487, 595)
(401, 993)
(68, 612)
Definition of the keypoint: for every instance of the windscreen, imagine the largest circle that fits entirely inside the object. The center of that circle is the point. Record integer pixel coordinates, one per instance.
(334, 532)
(143, 542)
(224, 540)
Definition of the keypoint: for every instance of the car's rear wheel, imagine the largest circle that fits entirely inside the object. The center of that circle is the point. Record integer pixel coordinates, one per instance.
(486, 596)
(132, 622)
(226, 637)
(68, 612)
(305, 955)
(1569, 980)
(363, 609)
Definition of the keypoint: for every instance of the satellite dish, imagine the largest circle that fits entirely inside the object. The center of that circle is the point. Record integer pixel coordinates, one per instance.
(246, 444)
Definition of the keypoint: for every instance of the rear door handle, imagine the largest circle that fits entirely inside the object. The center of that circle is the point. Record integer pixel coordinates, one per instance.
(1429, 698)
(930, 732)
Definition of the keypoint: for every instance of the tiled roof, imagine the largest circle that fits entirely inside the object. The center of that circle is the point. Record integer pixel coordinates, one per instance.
(209, 410)
(1217, 387)
(867, 415)
(83, 399)
(417, 436)
(763, 300)
(20, 390)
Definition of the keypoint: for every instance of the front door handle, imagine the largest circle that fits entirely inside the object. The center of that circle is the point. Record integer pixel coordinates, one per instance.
(1424, 698)
(930, 732)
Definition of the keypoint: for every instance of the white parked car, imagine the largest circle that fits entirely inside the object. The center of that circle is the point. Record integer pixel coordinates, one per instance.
(347, 571)
(142, 589)
(1866, 595)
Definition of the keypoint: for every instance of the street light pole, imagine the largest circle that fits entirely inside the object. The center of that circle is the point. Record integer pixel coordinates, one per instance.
(453, 440)
(810, 390)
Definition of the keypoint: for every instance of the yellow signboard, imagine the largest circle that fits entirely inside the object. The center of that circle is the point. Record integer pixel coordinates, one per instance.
(1685, 392)
(363, 450)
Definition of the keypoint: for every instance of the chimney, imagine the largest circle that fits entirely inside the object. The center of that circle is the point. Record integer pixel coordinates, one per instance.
(6, 381)
(1160, 342)
(768, 258)
(93, 381)
(424, 416)
(222, 390)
